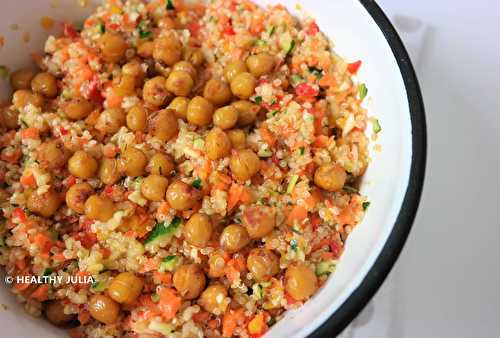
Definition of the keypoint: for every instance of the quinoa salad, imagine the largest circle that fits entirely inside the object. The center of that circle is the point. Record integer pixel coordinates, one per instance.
(196, 163)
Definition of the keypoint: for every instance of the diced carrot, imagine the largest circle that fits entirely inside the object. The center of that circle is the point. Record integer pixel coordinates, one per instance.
(219, 186)
(321, 141)
(315, 221)
(150, 265)
(41, 293)
(267, 136)
(169, 302)
(327, 81)
(246, 195)
(162, 277)
(30, 132)
(163, 209)
(290, 299)
(231, 273)
(114, 100)
(231, 320)
(86, 73)
(234, 196)
(28, 180)
(298, 214)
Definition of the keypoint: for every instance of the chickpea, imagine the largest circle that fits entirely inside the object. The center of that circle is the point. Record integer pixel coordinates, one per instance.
(330, 177)
(300, 281)
(9, 118)
(44, 205)
(225, 117)
(104, 309)
(82, 165)
(213, 299)
(259, 220)
(109, 171)
(154, 91)
(113, 47)
(133, 162)
(263, 264)
(134, 69)
(52, 155)
(244, 164)
(111, 120)
(180, 83)
(44, 84)
(78, 109)
(234, 68)
(160, 164)
(125, 86)
(145, 50)
(216, 265)
(164, 125)
(199, 111)
(243, 85)
(194, 56)
(260, 64)
(189, 280)
(21, 79)
(167, 49)
(23, 97)
(217, 92)
(125, 288)
(217, 144)
(153, 187)
(238, 138)
(54, 311)
(137, 118)
(76, 196)
(166, 23)
(99, 207)
(181, 196)
(185, 67)
(198, 230)
(234, 237)
(180, 105)
(247, 112)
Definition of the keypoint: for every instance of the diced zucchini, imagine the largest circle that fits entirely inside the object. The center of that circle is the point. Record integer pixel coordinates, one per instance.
(325, 268)
(265, 152)
(296, 79)
(376, 126)
(163, 328)
(258, 291)
(292, 183)
(163, 232)
(169, 263)
(99, 286)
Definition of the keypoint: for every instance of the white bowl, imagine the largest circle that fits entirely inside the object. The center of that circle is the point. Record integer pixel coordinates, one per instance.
(393, 182)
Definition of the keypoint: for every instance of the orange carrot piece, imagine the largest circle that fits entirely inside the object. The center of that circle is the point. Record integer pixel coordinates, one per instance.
(28, 180)
(298, 214)
(231, 320)
(30, 132)
(234, 196)
(267, 136)
(169, 302)
(41, 293)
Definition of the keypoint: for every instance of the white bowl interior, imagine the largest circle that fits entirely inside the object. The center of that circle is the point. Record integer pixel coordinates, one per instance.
(356, 36)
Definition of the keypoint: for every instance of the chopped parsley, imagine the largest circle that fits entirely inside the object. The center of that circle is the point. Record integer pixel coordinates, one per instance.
(258, 99)
(196, 183)
(291, 47)
(376, 126)
(362, 90)
(365, 205)
(170, 5)
(316, 72)
(272, 30)
(293, 244)
(143, 32)
(302, 150)
(260, 42)
(47, 271)
(274, 113)
(102, 28)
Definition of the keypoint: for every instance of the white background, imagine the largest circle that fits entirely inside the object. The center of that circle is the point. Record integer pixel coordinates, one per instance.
(446, 283)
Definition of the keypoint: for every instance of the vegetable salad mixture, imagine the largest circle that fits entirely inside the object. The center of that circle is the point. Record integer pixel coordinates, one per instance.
(199, 161)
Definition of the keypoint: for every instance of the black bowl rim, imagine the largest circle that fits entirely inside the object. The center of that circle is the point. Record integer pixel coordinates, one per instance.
(396, 240)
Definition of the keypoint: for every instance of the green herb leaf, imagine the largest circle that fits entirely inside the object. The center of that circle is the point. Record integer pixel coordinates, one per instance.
(350, 189)
(260, 42)
(293, 244)
(47, 271)
(271, 321)
(258, 99)
(102, 28)
(290, 49)
(295, 79)
(365, 205)
(272, 30)
(197, 183)
(376, 126)
(302, 150)
(155, 297)
(362, 90)
(144, 35)
(170, 5)
(274, 113)
(316, 72)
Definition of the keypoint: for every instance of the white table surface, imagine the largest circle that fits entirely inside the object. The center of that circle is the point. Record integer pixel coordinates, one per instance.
(446, 283)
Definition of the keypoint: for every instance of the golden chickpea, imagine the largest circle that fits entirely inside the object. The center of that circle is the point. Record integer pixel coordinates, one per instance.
(153, 187)
(76, 196)
(243, 85)
(78, 109)
(199, 111)
(181, 196)
(82, 165)
(244, 164)
(160, 164)
(134, 69)
(300, 281)
(263, 264)
(185, 67)
(9, 117)
(225, 117)
(21, 79)
(180, 83)
(125, 86)
(137, 118)
(99, 207)
(111, 120)
(154, 91)
(198, 230)
(133, 162)
(213, 299)
(238, 138)
(259, 220)
(330, 177)
(260, 64)
(145, 50)
(217, 144)
(109, 171)
(125, 288)
(23, 97)
(216, 265)
(217, 92)
(247, 112)
(113, 47)
(52, 155)
(104, 309)
(44, 84)
(194, 56)
(167, 49)
(179, 105)
(54, 311)
(166, 23)
(44, 205)
(189, 280)
(234, 237)
(164, 125)
(234, 68)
